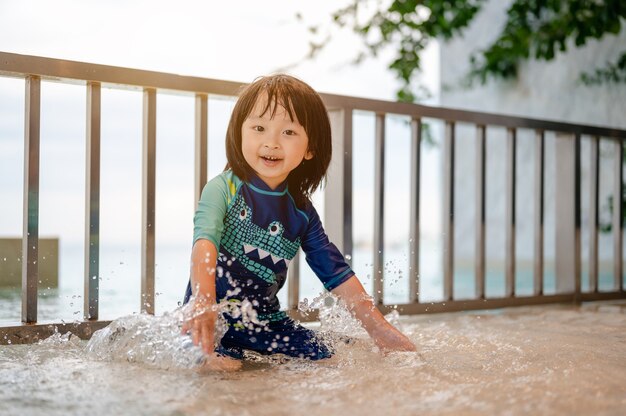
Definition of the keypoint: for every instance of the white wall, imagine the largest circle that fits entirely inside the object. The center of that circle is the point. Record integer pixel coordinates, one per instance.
(546, 90)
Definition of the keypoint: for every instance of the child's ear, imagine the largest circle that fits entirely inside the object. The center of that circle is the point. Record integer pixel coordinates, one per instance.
(308, 155)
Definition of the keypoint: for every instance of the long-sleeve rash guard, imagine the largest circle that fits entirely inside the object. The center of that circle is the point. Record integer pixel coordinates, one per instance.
(258, 232)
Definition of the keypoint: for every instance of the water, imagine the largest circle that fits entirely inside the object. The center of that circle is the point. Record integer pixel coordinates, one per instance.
(120, 281)
(548, 360)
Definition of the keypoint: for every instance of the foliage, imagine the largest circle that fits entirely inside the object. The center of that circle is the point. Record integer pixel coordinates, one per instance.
(541, 28)
(536, 29)
(606, 227)
(409, 24)
(611, 73)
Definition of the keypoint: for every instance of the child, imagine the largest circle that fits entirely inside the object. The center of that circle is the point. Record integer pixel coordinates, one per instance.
(256, 214)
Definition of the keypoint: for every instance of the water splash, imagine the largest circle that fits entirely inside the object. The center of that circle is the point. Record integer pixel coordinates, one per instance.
(333, 315)
(156, 341)
(58, 340)
(146, 339)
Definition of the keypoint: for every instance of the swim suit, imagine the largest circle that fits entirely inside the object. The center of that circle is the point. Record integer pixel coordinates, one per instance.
(258, 232)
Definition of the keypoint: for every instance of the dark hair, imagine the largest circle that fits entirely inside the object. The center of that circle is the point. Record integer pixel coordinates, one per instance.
(302, 103)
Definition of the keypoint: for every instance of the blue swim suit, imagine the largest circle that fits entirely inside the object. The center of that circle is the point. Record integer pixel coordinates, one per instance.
(282, 336)
(258, 231)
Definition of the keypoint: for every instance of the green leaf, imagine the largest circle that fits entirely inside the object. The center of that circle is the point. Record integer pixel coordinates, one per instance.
(539, 29)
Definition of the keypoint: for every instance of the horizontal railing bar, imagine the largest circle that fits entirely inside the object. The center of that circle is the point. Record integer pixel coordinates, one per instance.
(16, 65)
(18, 333)
(465, 116)
(599, 296)
(477, 304)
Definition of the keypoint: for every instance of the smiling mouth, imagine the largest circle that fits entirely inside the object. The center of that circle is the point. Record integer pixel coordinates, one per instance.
(271, 158)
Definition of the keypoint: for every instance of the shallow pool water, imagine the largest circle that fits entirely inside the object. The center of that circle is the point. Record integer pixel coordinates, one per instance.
(548, 360)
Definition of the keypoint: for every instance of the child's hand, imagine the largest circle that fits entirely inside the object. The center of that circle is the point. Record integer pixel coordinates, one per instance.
(214, 362)
(388, 339)
(200, 321)
(385, 335)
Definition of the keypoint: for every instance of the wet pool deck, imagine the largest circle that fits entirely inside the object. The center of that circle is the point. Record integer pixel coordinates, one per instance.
(558, 359)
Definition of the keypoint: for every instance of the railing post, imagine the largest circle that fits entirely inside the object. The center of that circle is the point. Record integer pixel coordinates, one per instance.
(148, 201)
(539, 211)
(30, 237)
(338, 193)
(567, 205)
(481, 151)
(594, 194)
(511, 148)
(448, 212)
(577, 220)
(379, 209)
(201, 145)
(293, 276)
(414, 222)
(618, 215)
(92, 204)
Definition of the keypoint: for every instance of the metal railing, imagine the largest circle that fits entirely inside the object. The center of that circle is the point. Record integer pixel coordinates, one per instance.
(338, 199)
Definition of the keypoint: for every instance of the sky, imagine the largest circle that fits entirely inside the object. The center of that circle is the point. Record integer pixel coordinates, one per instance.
(224, 40)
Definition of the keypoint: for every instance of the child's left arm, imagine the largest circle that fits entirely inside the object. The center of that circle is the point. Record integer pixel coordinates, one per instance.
(385, 335)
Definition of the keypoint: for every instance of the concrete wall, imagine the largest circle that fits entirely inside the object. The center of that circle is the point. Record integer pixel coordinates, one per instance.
(546, 90)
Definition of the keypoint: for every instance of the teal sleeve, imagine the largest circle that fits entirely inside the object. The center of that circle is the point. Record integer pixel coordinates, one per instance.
(208, 222)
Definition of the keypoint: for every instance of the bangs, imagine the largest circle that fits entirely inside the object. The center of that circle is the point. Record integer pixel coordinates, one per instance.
(280, 92)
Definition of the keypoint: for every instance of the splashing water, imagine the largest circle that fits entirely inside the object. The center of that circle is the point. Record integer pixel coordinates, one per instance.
(549, 360)
(156, 341)
(145, 339)
(339, 329)
(333, 315)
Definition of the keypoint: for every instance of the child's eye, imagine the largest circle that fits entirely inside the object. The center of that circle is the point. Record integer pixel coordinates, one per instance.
(290, 133)
(258, 128)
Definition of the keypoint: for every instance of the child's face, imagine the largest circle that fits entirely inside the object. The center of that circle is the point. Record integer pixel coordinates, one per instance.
(273, 147)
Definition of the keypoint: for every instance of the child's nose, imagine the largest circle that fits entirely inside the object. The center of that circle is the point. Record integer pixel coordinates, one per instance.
(271, 141)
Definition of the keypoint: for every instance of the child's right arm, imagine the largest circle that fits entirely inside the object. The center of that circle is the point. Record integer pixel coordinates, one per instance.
(201, 322)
